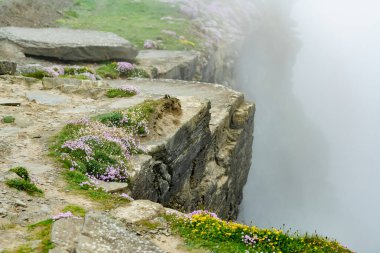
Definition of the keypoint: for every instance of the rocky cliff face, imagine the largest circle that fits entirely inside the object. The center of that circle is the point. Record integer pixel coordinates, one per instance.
(205, 160)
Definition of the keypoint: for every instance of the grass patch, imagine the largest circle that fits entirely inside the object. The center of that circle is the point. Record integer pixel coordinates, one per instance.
(77, 72)
(38, 74)
(107, 201)
(40, 231)
(113, 93)
(206, 230)
(21, 172)
(75, 210)
(8, 119)
(108, 71)
(79, 77)
(23, 183)
(136, 21)
(151, 225)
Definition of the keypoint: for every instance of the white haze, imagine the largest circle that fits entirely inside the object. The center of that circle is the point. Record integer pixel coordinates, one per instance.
(313, 69)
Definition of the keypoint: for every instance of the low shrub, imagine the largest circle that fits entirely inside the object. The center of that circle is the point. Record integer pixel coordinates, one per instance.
(21, 172)
(8, 119)
(23, 185)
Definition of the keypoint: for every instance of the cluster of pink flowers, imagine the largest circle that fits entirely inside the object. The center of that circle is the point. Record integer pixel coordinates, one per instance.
(203, 212)
(82, 144)
(62, 215)
(94, 135)
(89, 76)
(124, 67)
(54, 71)
(114, 173)
(92, 182)
(129, 88)
(249, 241)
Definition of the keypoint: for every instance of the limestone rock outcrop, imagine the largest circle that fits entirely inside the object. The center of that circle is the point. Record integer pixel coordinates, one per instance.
(204, 163)
(69, 44)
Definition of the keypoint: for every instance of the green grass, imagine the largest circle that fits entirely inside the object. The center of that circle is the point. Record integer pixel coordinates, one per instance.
(105, 200)
(110, 119)
(108, 71)
(21, 172)
(133, 20)
(23, 185)
(204, 231)
(113, 93)
(75, 210)
(40, 231)
(8, 119)
(38, 74)
(79, 77)
(24, 182)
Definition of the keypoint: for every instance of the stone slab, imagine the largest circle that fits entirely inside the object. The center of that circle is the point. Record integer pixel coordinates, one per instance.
(69, 44)
(139, 210)
(47, 98)
(113, 187)
(101, 234)
(167, 64)
(65, 233)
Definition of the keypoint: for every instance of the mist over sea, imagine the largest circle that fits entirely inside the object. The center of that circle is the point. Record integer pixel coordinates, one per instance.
(312, 68)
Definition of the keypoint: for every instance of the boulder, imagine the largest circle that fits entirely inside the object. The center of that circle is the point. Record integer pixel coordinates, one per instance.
(139, 210)
(101, 234)
(69, 44)
(166, 64)
(7, 68)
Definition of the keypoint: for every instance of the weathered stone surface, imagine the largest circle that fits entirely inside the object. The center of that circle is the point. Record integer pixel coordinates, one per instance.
(169, 64)
(204, 163)
(97, 233)
(93, 89)
(139, 210)
(10, 51)
(65, 233)
(101, 234)
(69, 44)
(113, 187)
(7, 68)
(47, 98)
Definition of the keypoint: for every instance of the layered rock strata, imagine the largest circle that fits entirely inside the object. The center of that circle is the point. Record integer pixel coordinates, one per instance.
(203, 163)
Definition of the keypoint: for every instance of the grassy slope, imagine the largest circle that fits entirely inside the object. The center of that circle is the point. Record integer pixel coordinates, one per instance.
(133, 20)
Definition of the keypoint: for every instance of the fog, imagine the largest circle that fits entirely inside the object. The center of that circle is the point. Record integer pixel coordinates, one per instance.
(313, 69)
